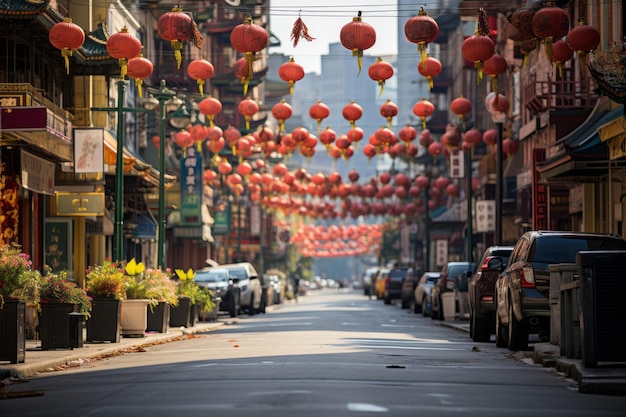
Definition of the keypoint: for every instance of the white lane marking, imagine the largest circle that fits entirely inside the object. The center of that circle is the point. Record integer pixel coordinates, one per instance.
(404, 347)
(233, 364)
(367, 408)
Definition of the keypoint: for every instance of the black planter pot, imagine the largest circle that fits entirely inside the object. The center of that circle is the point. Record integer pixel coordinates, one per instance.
(59, 329)
(181, 314)
(104, 323)
(159, 317)
(12, 339)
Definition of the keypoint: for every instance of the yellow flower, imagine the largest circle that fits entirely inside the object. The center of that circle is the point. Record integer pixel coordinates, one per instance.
(134, 268)
(184, 276)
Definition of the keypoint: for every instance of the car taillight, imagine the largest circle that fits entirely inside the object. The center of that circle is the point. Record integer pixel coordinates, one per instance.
(528, 277)
(484, 265)
(387, 280)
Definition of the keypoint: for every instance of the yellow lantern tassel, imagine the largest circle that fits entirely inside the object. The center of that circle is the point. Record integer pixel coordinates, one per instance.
(389, 121)
(123, 67)
(479, 71)
(281, 125)
(66, 53)
(559, 67)
(582, 61)
(139, 82)
(423, 122)
(177, 46)
(291, 84)
(431, 83)
(249, 60)
(548, 47)
(381, 83)
(359, 54)
(352, 124)
(211, 121)
(421, 47)
(494, 83)
(201, 87)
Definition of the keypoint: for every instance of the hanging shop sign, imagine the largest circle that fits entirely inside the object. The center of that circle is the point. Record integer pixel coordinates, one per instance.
(80, 204)
(37, 173)
(191, 187)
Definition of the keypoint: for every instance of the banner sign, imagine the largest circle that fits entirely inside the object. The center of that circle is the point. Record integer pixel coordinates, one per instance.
(191, 187)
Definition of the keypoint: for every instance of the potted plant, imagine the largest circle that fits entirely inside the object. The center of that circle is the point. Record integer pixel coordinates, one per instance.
(162, 289)
(134, 319)
(105, 286)
(64, 308)
(193, 299)
(13, 263)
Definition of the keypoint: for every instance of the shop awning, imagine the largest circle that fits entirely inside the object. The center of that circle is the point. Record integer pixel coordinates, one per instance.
(146, 227)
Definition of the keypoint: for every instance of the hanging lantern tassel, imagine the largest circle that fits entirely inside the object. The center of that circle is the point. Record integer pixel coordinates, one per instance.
(177, 46)
(123, 67)
(479, 71)
(494, 82)
(247, 118)
(66, 53)
(201, 83)
(431, 82)
(249, 60)
(423, 119)
(381, 84)
(548, 45)
(421, 47)
(139, 82)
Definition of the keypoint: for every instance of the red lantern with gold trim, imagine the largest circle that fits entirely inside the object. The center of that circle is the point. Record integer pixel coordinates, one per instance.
(421, 30)
(67, 37)
(380, 71)
(423, 109)
(357, 36)
(561, 53)
(183, 139)
(461, 106)
(550, 24)
(509, 146)
(176, 27)
(200, 70)
(248, 38)
(210, 107)
(139, 68)
(352, 112)
(490, 137)
(493, 67)
(407, 134)
(583, 39)
(123, 46)
(327, 137)
(478, 49)
(319, 111)
(429, 68)
(389, 110)
(281, 112)
(291, 72)
(247, 108)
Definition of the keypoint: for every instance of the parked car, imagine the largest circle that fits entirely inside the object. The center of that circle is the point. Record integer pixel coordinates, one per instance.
(421, 295)
(522, 289)
(381, 276)
(453, 276)
(220, 282)
(278, 289)
(481, 289)
(394, 282)
(409, 285)
(247, 279)
(368, 278)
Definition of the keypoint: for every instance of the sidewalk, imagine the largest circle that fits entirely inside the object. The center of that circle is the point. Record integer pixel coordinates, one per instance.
(38, 360)
(604, 379)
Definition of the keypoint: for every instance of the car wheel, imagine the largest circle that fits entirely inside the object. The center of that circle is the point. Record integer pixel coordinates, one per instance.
(479, 328)
(501, 332)
(417, 308)
(518, 332)
(424, 307)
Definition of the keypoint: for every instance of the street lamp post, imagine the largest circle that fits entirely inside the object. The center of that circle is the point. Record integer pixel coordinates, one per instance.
(162, 96)
(498, 235)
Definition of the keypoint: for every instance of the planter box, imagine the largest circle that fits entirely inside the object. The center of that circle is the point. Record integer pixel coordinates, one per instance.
(210, 315)
(57, 331)
(134, 318)
(12, 338)
(181, 315)
(159, 318)
(104, 323)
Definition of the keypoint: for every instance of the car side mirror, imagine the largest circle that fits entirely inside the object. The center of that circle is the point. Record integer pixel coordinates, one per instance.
(495, 264)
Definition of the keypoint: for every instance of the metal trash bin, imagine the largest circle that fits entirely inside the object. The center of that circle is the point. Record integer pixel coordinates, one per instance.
(569, 285)
(77, 326)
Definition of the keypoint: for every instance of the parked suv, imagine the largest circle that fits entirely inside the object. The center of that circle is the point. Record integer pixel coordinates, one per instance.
(522, 289)
(481, 289)
(453, 276)
(422, 292)
(394, 282)
(247, 279)
(219, 281)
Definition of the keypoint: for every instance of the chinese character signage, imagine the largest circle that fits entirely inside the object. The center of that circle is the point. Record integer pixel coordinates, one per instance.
(457, 163)
(441, 252)
(191, 187)
(485, 216)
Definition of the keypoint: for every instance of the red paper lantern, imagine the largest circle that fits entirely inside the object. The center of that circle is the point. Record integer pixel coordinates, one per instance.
(490, 137)
(583, 39)
(210, 107)
(435, 149)
(319, 111)
(429, 68)
(369, 151)
(550, 24)
(478, 49)
(123, 46)
(214, 133)
(493, 67)
(247, 108)
(453, 190)
(281, 112)
(407, 134)
(176, 27)
(509, 146)
(352, 112)
(244, 169)
(461, 106)
(357, 36)
(389, 110)
(426, 138)
(380, 71)
(561, 53)
(422, 30)
(248, 38)
(232, 135)
(200, 70)
(139, 68)
(472, 136)
(422, 181)
(327, 137)
(67, 37)
(300, 134)
(183, 139)
(423, 109)
(291, 72)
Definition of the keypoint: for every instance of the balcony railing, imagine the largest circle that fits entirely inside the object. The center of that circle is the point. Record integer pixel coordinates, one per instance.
(564, 93)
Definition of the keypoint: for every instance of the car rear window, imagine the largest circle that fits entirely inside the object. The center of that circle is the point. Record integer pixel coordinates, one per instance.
(563, 249)
(456, 270)
(397, 273)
